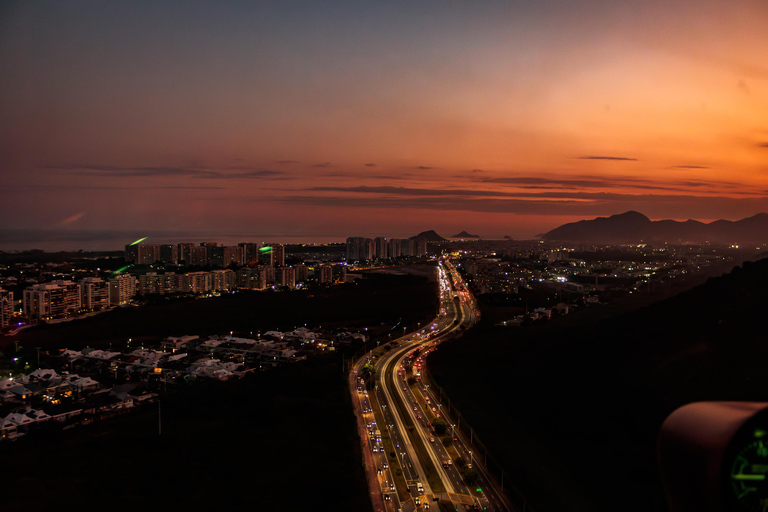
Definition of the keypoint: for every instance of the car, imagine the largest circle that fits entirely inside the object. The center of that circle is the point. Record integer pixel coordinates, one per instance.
(431, 439)
(381, 449)
(386, 465)
(387, 497)
(379, 470)
(391, 487)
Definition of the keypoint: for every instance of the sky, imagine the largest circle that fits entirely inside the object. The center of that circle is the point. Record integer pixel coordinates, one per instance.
(331, 119)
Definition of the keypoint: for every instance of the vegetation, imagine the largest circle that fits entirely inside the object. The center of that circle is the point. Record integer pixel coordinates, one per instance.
(582, 399)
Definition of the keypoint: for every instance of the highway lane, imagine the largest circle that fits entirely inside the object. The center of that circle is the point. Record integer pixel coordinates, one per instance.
(398, 401)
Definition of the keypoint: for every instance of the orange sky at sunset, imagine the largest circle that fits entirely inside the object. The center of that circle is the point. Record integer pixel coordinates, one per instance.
(312, 119)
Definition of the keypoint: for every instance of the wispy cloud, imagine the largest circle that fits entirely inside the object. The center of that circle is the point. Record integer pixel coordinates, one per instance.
(690, 167)
(619, 158)
(370, 165)
(107, 170)
(324, 164)
(584, 204)
(763, 145)
(287, 161)
(261, 174)
(152, 171)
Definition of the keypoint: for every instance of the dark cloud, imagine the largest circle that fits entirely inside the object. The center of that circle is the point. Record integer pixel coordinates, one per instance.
(590, 182)
(107, 170)
(260, 174)
(620, 158)
(690, 167)
(287, 161)
(424, 168)
(477, 170)
(592, 204)
(106, 187)
(369, 165)
(197, 172)
(763, 145)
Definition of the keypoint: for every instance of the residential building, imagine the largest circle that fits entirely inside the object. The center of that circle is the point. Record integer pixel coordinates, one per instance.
(380, 243)
(122, 289)
(94, 293)
(326, 274)
(285, 276)
(169, 254)
(6, 308)
(277, 256)
(58, 299)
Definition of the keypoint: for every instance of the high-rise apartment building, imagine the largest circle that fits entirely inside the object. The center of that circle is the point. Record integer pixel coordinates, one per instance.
(326, 274)
(420, 247)
(169, 254)
(223, 280)
(198, 256)
(6, 308)
(94, 293)
(380, 244)
(285, 276)
(182, 251)
(57, 299)
(250, 252)
(360, 248)
(301, 272)
(228, 255)
(122, 289)
(393, 249)
(339, 273)
(277, 255)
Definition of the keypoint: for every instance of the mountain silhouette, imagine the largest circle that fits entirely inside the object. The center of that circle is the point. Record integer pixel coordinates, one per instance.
(633, 227)
(430, 235)
(464, 234)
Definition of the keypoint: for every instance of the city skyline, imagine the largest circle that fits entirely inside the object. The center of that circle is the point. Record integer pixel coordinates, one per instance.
(340, 120)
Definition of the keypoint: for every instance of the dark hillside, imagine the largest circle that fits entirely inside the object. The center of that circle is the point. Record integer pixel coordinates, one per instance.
(572, 412)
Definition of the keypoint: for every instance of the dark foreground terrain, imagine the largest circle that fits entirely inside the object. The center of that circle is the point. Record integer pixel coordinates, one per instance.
(571, 412)
(284, 439)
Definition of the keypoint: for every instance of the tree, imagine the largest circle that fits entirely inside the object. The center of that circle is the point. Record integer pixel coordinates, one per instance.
(440, 426)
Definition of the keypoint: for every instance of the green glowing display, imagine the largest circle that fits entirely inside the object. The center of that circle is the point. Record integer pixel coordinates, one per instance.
(263, 249)
(139, 240)
(121, 270)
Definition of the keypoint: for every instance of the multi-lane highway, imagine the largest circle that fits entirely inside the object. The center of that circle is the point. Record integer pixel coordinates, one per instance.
(410, 466)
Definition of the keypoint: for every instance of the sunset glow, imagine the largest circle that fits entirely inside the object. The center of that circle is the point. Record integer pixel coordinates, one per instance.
(340, 119)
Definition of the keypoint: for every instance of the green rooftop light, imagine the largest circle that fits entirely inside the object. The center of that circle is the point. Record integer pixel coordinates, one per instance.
(265, 249)
(139, 240)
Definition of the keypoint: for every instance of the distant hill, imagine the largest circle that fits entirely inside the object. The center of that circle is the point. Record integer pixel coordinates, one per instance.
(464, 234)
(632, 227)
(430, 235)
